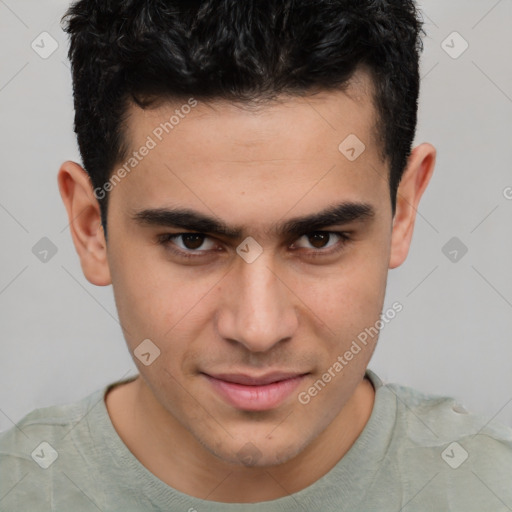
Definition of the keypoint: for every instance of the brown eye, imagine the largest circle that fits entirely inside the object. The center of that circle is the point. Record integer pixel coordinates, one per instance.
(187, 243)
(319, 240)
(192, 241)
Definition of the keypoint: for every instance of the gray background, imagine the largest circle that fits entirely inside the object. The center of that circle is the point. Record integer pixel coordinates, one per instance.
(60, 336)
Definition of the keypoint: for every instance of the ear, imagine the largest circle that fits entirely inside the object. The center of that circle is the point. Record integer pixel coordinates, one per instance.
(417, 174)
(84, 216)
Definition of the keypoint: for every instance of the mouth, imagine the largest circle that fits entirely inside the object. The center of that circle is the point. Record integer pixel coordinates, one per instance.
(255, 393)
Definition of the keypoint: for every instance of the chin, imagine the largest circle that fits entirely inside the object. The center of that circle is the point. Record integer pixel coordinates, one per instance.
(257, 454)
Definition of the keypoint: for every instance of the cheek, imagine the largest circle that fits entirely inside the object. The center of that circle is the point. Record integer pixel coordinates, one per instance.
(160, 302)
(349, 297)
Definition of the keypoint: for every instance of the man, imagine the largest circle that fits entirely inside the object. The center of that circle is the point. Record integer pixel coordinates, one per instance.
(248, 180)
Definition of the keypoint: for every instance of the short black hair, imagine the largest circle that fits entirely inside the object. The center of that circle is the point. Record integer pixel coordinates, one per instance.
(143, 51)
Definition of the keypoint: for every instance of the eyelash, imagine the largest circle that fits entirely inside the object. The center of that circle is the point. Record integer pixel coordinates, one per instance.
(166, 241)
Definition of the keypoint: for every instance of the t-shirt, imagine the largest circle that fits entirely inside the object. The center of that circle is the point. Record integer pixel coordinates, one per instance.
(417, 452)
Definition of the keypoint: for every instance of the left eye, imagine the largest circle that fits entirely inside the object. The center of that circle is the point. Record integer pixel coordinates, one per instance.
(320, 239)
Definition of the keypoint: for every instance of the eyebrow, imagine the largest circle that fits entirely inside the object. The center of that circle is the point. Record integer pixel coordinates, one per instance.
(195, 221)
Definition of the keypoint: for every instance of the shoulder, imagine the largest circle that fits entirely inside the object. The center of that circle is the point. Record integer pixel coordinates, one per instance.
(466, 456)
(426, 416)
(52, 420)
(49, 423)
(31, 447)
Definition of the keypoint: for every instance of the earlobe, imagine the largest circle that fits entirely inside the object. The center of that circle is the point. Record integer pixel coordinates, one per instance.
(415, 179)
(84, 217)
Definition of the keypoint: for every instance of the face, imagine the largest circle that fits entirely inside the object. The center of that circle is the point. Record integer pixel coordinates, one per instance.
(244, 244)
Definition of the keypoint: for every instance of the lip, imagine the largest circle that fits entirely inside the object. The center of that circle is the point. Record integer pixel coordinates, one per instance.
(249, 380)
(251, 393)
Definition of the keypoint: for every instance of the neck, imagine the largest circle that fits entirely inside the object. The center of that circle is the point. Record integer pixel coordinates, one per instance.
(185, 465)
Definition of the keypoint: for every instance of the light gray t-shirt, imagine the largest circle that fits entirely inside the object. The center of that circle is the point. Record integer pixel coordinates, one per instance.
(417, 452)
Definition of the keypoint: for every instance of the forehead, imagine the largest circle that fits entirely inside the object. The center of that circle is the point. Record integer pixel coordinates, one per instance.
(211, 153)
(251, 125)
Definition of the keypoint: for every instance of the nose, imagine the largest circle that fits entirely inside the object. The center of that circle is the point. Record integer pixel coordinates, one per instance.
(259, 312)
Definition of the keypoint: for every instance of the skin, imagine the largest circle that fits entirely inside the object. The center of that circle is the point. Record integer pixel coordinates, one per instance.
(286, 311)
